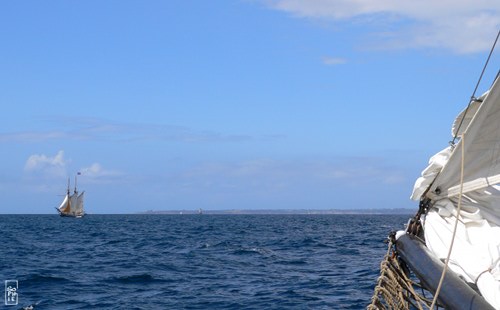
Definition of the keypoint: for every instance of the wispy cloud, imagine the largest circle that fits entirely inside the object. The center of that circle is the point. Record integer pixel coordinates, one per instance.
(333, 61)
(280, 183)
(105, 130)
(463, 26)
(278, 175)
(32, 136)
(96, 173)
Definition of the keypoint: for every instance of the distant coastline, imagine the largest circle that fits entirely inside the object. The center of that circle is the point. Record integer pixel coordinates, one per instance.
(285, 211)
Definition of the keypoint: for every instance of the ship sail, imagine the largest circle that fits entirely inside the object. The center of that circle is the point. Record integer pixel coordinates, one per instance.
(65, 205)
(72, 204)
(482, 152)
(475, 256)
(79, 204)
(476, 251)
(452, 243)
(460, 186)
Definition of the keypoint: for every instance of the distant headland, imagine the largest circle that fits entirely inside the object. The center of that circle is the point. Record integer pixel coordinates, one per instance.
(285, 211)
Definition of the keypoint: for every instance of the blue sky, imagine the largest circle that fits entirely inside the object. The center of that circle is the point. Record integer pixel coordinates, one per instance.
(241, 104)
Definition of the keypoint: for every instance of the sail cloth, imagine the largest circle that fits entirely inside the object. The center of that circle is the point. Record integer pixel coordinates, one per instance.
(72, 204)
(79, 204)
(65, 206)
(476, 252)
(436, 163)
(482, 152)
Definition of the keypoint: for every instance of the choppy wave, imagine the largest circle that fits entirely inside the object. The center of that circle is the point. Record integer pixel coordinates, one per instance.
(195, 262)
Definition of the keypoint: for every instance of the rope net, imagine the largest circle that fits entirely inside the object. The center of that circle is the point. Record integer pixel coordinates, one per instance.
(394, 290)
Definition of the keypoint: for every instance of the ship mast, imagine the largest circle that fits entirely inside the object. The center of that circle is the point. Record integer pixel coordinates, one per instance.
(76, 175)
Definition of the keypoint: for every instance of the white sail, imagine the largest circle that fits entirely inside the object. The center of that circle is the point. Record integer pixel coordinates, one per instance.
(64, 207)
(74, 201)
(476, 252)
(72, 204)
(482, 152)
(79, 204)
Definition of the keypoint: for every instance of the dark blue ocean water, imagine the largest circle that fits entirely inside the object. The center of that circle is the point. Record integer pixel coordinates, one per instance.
(194, 261)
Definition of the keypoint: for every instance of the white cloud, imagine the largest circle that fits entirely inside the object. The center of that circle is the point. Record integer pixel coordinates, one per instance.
(54, 166)
(96, 171)
(57, 166)
(463, 26)
(332, 61)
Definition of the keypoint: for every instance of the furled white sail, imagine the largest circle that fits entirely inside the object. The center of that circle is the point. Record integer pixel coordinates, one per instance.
(476, 252)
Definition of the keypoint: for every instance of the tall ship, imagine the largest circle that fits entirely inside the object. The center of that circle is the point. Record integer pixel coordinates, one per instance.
(449, 254)
(72, 204)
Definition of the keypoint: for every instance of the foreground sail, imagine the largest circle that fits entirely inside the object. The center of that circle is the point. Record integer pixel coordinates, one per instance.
(476, 253)
(457, 228)
(72, 204)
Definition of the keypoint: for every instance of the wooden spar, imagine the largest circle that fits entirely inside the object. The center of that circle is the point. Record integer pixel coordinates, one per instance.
(455, 293)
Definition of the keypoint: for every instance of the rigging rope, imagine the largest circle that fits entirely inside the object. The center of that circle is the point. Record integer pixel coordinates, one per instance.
(473, 97)
(459, 207)
(394, 290)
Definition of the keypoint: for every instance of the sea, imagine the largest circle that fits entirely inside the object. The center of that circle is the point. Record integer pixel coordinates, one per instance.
(152, 261)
